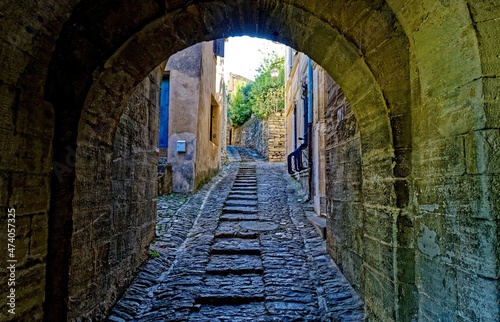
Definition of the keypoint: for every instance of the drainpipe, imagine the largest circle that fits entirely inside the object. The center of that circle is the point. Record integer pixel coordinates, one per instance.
(310, 121)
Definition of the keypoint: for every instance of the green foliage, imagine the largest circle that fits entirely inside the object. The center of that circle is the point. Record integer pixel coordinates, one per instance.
(268, 94)
(263, 97)
(154, 254)
(240, 110)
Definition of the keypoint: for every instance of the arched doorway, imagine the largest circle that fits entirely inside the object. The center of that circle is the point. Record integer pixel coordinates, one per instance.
(421, 86)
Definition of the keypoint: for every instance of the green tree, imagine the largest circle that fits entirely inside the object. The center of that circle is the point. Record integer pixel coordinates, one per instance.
(267, 95)
(240, 110)
(264, 97)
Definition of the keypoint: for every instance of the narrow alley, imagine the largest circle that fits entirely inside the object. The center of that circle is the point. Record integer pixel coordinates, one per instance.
(240, 249)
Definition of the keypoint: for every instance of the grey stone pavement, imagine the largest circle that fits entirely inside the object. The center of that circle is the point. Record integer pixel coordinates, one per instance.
(240, 249)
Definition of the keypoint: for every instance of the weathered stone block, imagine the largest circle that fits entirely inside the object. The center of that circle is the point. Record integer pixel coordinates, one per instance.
(484, 10)
(453, 196)
(30, 193)
(379, 294)
(389, 60)
(101, 259)
(23, 230)
(491, 94)
(379, 255)
(101, 225)
(477, 247)
(437, 238)
(39, 236)
(378, 224)
(7, 107)
(352, 264)
(379, 191)
(477, 298)
(380, 20)
(489, 33)
(26, 153)
(437, 291)
(30, 292)
(482, 150)
(81, 272)
(441, 157)
(82, 239)
(4, 189)
(39, 121)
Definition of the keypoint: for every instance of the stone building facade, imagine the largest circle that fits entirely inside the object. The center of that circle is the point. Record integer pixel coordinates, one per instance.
(422, 80)
(196, 115)
(305, 103)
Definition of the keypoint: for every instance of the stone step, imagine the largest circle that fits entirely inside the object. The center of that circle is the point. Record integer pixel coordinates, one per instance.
(235, 264)
(239, 202)
(239, 210)
(233, 197)
(231, 246)
(319, 224)
(244, 186)
(254, 311)
(227, 229)
(236, 234)
(232, 289)
(239, 217)
(243, 192)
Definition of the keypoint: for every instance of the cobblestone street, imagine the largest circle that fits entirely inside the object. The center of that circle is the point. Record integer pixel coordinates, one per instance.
(240, 249)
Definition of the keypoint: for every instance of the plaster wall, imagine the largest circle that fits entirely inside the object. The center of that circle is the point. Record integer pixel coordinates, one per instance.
(210, 115)
(195, 86)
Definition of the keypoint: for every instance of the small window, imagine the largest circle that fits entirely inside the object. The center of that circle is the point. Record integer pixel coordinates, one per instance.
(214, 122)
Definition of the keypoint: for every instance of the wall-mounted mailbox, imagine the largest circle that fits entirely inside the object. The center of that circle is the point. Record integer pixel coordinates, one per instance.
(181, 146)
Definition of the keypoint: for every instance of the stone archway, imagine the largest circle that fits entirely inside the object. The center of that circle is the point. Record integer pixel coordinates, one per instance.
(421, 79)
(290, 24)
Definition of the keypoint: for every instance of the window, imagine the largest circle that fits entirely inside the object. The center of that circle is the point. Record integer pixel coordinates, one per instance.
(164, 106)
(214, 122)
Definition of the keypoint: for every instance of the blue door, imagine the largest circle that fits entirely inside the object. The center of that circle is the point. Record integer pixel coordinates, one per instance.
(164, 103)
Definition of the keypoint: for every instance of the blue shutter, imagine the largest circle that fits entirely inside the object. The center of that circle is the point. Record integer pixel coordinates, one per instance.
(164, 104)
(219, 47)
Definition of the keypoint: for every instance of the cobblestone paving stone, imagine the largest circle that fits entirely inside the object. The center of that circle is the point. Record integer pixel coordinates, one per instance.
(241, 249)
(168, 213)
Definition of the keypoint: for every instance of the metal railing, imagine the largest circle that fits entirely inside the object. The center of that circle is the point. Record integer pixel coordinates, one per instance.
(298, 160)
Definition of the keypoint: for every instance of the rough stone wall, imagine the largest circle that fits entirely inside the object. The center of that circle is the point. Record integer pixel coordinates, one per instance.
(344, 187)
(112, 232)
(266, 136)
(27, 125)
(252, 134)
(276, 139)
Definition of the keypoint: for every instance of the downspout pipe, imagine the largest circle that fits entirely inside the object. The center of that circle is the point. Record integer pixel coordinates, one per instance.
(309, 91)
(310, 121)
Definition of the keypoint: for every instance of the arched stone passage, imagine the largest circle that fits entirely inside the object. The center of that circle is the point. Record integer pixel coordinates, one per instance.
(424, 98)
(285, 23)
